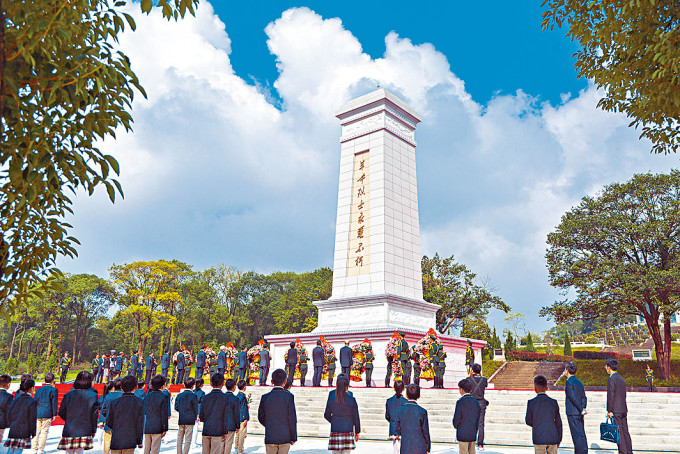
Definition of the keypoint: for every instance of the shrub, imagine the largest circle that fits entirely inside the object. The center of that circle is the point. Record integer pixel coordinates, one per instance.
(510, 344)
(532, 356)
(600, 355)
(12, 366)
(530, 344)
(675, 336)
(591, 340)
(52, 363)
(567, 344)
(33, 365)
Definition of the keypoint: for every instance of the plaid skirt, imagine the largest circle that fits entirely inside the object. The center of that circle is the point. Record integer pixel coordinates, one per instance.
(75, 443)
(18, 443)
(340, 441)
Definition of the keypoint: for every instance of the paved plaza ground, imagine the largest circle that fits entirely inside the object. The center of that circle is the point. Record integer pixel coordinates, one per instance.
(255, 445)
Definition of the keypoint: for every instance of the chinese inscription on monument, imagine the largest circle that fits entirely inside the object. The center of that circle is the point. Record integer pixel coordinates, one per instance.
(357, 252)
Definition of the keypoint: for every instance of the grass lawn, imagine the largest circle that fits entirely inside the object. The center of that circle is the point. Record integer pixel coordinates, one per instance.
(592, 373)
(489, 367)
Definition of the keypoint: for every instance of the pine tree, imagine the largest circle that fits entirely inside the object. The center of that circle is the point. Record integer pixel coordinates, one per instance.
(567, 344)
(530, 344)
(510, 344)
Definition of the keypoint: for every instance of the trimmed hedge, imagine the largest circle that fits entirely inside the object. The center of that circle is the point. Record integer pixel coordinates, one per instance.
(600, 355)
(592, 373)
(532, 356)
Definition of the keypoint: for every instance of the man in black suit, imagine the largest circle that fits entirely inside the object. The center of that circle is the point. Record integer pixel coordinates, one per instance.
(346, 357)
(412, 424)
(165, 364)
(134, 363)
(150, 368)
(479, 385)
(222, 360)
(277, 414)
(616, 404)
(319, 359)
(543, 415)
(181, 367)
(576, 408)
(291, 363)
(466, 418)
(264, 365)
(200, 362)
(242, 364)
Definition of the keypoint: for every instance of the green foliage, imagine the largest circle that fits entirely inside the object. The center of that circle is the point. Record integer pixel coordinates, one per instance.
(675, 336)
(592, 373)
(529, 347)
(620, 255)
(64, 86)
(567, 345)
(510, 343)
(52, 363)
(629, 48)
(12, 366)
(489, 367)
(33, 365)
(451, 285)
(475, 327)
(591, 340)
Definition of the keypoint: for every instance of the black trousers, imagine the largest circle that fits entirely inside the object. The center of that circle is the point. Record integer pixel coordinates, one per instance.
(180, 376)
(626, 445)
(62, 377)
(388, 375)
(241, 373)
(480, 422)
(578, 433)
(264, 372)
(220, 370)
(318, 373)
(416, 376)
(199, 372)
(164, 372)
(651, 384)
(346, 370)
(290, 369)
(369, 375)
(149, 375)
(303, 374)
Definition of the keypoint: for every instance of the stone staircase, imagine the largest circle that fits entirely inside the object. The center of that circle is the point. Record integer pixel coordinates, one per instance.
(520, 374)
(653, 417)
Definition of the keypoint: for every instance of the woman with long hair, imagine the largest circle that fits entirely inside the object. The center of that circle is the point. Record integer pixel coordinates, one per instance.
(99, 434)
(343, 414)
(391, 407)
(79, 409)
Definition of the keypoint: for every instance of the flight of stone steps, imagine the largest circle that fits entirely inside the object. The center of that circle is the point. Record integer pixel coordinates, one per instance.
(653, 417)
(520, 374)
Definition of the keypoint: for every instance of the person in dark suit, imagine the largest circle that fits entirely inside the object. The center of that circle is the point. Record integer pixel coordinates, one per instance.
(200, 394)
(404, 357)
(106, 368)
(479, 385)
(156, 414)
(242, 364)
(181, 367)
(22, 418)
(291, 363)
(126, 418)
(165, 364)
(264, 365)
(186, 404)
(118, 365)
(100, 371)
(318, 359)
(304, 367)
(200, 362)
(412, 424)
(391, 408)
(79, 409)
(222, 360)
(278, 416)
(213, 415)
(575, 406)
(47, 398)
(466, 418)
(543, 416)
(5, 400)
(342, 412)
(150, 368)
(134, 364)
(346, 357)
(139, 392)
(244, 417)
(616, 404)
(233, 414)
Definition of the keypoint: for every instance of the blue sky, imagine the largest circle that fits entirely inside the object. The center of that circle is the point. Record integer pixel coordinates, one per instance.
(234, 156)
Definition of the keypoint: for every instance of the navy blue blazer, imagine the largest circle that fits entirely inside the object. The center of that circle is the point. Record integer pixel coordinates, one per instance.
(181, 361)
(150, 363)
(616, 394)
(119, 364)
(156, 412)
(165, 361)
(106, 404)
(413, 426)
(264, 358)
(543, 415)
(344, 417)
(5, 400)
(277, 414)
(187, 406)
(318, 356)
(576, 397)
(140, 393)
(200, 359)
(213, 413)
(222, 360)
(233, 412)
(47, 397)
(466, 417)
(199, 394)
(134, 363)
(22, 416)
(391, 407)
(292, 358)
(346, 357)
(126, 420)
(243, 411)
(79, 409)
(242, 360)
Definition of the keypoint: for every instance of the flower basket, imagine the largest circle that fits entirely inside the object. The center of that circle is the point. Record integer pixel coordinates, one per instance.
(422, 347)
(254, 361)
(329, 352)
(232, 354)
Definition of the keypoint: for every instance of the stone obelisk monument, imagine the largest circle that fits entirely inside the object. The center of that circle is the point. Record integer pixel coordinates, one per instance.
(377, 277)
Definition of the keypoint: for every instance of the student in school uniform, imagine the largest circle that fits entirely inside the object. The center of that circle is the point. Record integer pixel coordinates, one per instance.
(391, 408)
(277, 414)
(126, 419)
(343, 414)
(5, 400)
(244, 417)
(150, 367)
(168, 399)
(213, 415)
(108, 399)
(139, 392)
(99, 434)
(47, 399)
(186, 404)
(79, 409)
(22, 418)
(466, 418)
(198, 391)
(156, 414)
(543, 415)
(412, 424)
(233, 415)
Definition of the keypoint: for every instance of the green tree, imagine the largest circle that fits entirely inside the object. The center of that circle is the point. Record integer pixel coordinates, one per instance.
(64, 86)
(475, 327)
(619, 255)
(451, 285)
(629, 49)
(567, 345)
(530, 344)
(510, 344)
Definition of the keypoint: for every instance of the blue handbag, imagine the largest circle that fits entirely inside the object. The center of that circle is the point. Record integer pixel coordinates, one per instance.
(610, 431)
